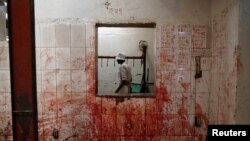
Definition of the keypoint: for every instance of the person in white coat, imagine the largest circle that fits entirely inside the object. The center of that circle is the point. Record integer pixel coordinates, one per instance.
(125, 75)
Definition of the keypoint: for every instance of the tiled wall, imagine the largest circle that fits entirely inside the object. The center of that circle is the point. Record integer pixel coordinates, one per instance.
(5, 95)
(66, 87)
(66, 73)
(61, 79)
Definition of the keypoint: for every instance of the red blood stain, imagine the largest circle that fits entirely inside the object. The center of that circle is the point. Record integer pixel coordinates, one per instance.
(187, 128)
(131, 119)
(78, 63)
(200, 138)
(6, 131)
(198, 111)
(109, 126)
(161, 93)
(238, 62)
(131, 124)
(164, 58)
(56, 71)
(182, 111)
(185, 86)
(91, 75)
(49, 58)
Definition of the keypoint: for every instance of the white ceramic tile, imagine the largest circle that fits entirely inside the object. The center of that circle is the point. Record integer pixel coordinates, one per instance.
(49, 81)
(38, 58)
(62, 35)
(4, 81)
(187, 101)
(48, 58)
(202, 101)
(4, 44)
(4, 58)
(193, 82)
(183, 81)
(8, 102)
(6, 124)
(203, 83)
(65, 105)
(40, 101)
(168, 38)
(189, 131)
(166, 58)
(203, 52)
(63, 81)
(213, 102)
(199, 37)
(77, 58)
(3, 102)
(63, 58)
(66, 130)
(158, 79)
(79, 101)
(38, 35)
(90, 35)
(39, 81)
(199, 42)
(90, 59)
(205, 63)
(49, 110)
(183, 59)
(199, 31)
(184, 40)
(184, 29)
(78, 35)
(47, 35)
(78, 81)
(80, 123)
(168, 80)
(192, 103)
(170, 106)
(90, 70)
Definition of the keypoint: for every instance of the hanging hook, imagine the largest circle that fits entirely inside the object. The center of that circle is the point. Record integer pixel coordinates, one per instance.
(107, 62)
(114, 62)
(101, 62)
(133, 62)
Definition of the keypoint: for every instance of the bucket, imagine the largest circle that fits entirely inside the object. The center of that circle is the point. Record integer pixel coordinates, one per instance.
(135, 87)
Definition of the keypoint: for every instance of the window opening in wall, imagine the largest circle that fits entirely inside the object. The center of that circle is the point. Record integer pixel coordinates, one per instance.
(133, 43)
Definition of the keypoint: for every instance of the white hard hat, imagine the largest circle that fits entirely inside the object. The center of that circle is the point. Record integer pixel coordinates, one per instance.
(120, 56)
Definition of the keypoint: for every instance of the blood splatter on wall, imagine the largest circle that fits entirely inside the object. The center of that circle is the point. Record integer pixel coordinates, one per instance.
(66, 86)
(67, 95)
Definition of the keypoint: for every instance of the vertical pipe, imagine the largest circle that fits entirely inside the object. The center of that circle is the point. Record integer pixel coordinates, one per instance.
(144, 70)
(22, 70)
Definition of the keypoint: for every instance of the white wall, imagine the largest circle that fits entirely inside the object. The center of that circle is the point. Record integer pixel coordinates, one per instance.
(191, 11)
(225, 14)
